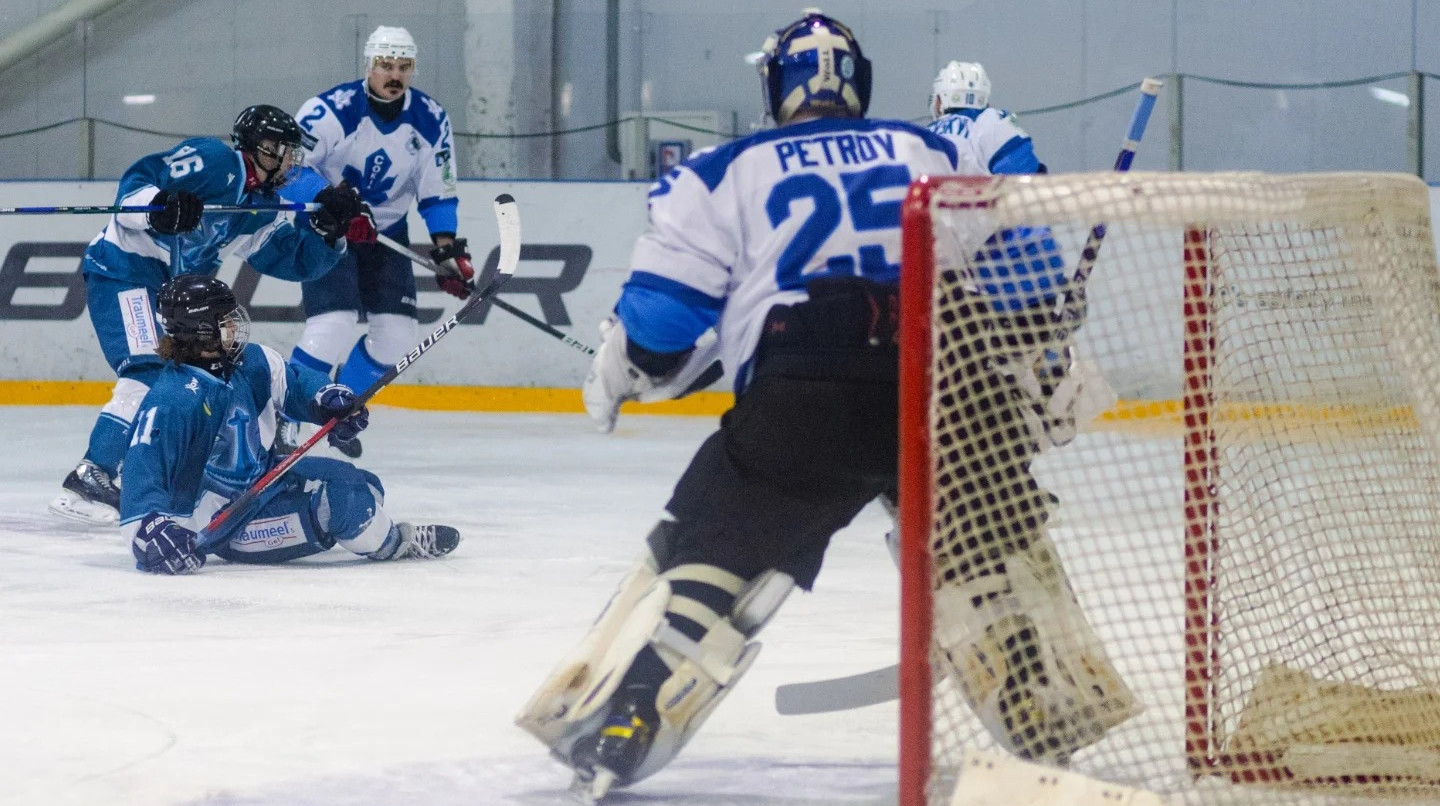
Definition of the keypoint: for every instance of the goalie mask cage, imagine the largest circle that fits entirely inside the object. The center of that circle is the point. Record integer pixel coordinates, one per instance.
(1252, 527)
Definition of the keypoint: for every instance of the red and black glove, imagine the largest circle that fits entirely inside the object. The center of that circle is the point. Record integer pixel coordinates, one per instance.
(362, 228)
(458, 278)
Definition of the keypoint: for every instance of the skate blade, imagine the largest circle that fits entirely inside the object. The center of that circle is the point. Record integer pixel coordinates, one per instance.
(74, 508)
(591, 789)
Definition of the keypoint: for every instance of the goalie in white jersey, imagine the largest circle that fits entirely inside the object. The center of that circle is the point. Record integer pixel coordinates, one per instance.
(392, 143)
(778, 254)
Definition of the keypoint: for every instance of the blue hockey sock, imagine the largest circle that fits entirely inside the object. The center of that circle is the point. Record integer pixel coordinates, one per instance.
(300, 358)
(108, 441)
(359, 369)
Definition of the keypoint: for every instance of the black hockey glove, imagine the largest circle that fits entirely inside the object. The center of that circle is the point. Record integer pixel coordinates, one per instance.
(339, 204)
(180, 212)
(454, 258)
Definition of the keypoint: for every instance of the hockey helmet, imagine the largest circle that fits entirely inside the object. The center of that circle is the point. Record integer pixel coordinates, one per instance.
(960, 85)
(389, 42)
(261, 124)
(814, 64)
(202, 317)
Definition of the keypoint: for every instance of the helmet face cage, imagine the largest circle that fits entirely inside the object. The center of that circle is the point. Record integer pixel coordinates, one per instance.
(268, 131)
(814, 64)
(201, 315)
(960, 85)
(387, 42)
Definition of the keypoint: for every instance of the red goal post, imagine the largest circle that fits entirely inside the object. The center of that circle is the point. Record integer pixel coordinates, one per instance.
(1252, 529)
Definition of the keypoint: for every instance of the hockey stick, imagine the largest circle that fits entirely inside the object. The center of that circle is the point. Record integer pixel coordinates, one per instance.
(508, 219)
(420, 260)
(882, 685)
(293, 207)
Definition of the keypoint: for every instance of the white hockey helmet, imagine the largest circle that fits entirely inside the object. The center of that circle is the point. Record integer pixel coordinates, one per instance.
(960, 85)
(390, 43)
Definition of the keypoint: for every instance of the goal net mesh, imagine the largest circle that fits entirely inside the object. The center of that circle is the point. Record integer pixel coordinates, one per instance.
(1246, 526)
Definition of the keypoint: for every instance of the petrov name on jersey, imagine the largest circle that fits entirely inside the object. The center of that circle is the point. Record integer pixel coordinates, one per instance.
(850, 148)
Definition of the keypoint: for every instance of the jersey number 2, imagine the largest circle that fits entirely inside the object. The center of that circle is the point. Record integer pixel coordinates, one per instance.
(865, 213)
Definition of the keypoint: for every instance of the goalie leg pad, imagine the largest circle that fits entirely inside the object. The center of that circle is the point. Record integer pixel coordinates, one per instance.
(1026, 659)
(659, 613)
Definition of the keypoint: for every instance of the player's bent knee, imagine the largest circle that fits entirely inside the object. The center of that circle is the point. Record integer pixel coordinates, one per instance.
(392, 335)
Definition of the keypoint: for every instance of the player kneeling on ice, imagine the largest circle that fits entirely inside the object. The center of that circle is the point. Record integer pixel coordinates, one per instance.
(203, 435)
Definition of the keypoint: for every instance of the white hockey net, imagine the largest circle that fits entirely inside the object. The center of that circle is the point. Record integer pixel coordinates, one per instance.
(1252, 525)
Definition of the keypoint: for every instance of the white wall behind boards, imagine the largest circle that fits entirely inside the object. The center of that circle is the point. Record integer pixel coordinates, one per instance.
(577, 241)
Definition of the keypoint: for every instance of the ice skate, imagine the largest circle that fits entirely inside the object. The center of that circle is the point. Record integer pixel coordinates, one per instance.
(88, 495)
(287, 437)
(425, 542)
(612, 756)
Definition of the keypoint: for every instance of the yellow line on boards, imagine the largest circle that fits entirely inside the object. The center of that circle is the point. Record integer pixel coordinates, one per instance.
(1124, 415)
(434, 398)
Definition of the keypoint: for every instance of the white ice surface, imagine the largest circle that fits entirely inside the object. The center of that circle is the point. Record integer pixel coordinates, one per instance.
(342, 681)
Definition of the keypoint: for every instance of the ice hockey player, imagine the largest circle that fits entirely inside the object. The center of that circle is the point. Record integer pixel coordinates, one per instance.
(787, 243)
(203, 435)
(392, 142)
(960, 106)
(135, 253)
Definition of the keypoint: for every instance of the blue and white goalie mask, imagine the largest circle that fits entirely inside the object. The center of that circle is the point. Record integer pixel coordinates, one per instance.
(814, 65)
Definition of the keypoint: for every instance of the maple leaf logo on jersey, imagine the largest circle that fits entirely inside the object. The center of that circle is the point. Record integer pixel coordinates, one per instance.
(341, 98)
(435, 109)
(374, 184)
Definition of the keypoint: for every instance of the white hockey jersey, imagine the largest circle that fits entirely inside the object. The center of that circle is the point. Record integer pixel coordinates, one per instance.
(742, 227)
(994, 138)
(391, 163)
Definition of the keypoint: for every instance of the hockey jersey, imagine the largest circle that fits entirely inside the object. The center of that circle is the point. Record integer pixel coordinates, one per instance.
(200, 441)
(391, 163)
(742, 227)
(128, 250)
(999, 144)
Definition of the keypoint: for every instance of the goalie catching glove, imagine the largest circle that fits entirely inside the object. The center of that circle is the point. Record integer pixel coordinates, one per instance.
(454, 258)
(162, 546)
(623, 371)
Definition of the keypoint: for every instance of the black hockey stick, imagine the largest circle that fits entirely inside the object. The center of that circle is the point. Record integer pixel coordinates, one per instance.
(294, 207)
(508, 219)
(882, 685)
(420, 260)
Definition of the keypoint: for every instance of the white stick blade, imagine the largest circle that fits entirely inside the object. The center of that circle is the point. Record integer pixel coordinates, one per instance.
(507, 218)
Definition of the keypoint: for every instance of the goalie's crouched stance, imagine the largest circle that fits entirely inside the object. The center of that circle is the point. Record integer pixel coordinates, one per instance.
(810, 441)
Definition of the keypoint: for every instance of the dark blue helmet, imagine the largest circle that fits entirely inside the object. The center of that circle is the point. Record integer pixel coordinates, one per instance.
(814, 64)
(207, 324)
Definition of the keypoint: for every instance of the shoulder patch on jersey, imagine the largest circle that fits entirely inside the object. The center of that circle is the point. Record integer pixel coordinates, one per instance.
(341, 96)
(193, 386)
(436, 110)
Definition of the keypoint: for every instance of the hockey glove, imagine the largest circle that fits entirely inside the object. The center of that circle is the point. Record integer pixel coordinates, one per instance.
(337, 401)
(459, 277)
(180, 212)
(339, 204)
(362, 227)
(162, 546)
(614, 377)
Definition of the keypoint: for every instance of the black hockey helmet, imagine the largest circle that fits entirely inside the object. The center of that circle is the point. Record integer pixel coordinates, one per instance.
(261, 124)
(814, 64)
(207, 325)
